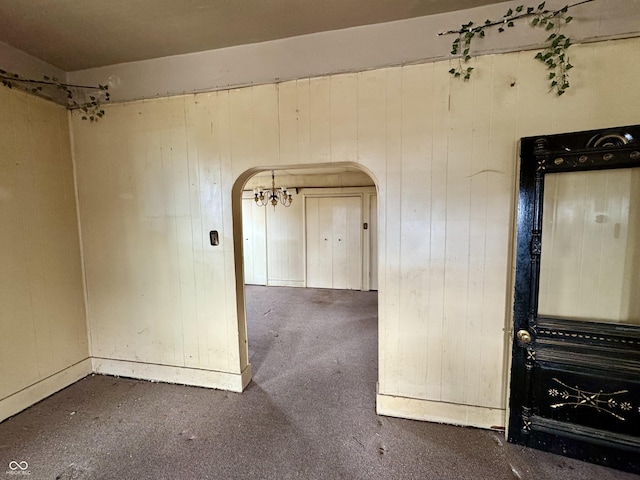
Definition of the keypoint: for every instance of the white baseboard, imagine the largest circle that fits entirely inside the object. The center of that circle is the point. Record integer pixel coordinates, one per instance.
(440, 412)
(32, 394)
(173, 374)
(285, 283)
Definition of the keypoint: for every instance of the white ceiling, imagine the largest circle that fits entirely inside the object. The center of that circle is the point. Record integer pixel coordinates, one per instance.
(80, 34)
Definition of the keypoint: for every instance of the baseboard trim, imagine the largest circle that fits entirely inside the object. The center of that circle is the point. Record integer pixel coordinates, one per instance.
(440, 412)
(173, 374)
(32, 394)
(285, 283)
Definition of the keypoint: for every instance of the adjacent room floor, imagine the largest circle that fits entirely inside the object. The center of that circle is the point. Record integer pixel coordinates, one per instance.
(309, 413)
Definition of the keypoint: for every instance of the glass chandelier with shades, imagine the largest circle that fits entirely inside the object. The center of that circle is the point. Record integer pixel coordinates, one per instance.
(272, 196)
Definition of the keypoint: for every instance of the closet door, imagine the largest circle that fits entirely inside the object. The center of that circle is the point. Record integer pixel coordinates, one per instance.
(334, 242)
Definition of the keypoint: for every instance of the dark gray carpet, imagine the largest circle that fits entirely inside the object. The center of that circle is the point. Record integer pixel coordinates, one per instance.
(308, 414)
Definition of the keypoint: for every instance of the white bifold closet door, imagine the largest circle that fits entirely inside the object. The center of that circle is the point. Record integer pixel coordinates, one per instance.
(334, 242)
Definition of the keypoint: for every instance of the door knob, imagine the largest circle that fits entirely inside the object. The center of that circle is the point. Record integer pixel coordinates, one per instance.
(524, 337)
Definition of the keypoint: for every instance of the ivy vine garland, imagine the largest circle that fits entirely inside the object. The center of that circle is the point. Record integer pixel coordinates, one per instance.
(553, 55)
(91, 109)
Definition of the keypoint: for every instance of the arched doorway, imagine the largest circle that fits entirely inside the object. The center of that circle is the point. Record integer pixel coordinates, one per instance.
(333, 197)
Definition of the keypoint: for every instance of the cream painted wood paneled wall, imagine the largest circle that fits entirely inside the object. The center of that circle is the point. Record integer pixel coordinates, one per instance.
(155, 176)
(43, 331)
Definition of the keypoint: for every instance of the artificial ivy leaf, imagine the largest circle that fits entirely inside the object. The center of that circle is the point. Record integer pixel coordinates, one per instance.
(568, 19)
(452, 71)
(554, 83)
(552, 75)
(487, 22)
(509, 13)
(541, 6)
(519, 8)
(539, 55)
(510, 24)
(482, 33)
(568, 66)
(529, 10)
(535, 21)
(549, 25)
(500, 29)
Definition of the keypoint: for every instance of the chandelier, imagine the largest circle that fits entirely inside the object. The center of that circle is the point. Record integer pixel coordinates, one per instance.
(273, 196)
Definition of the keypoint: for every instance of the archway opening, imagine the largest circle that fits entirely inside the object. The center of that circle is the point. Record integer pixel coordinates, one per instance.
(307, 275)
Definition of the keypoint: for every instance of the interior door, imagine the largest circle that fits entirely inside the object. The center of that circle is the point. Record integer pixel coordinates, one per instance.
(334, 242)
(575, 377)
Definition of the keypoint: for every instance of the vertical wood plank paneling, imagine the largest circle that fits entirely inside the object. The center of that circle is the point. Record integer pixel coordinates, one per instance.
(372, 127)
(320, 119)
(415, 211)
(439, 94)
(444, 154)
(303, 115)
(20, 353)
(344, 118)
(42, 316)
(288, 122)
(479, 192)
(390, 224)
(458, 225)
(227, 146)
(199, 129)
(266, 122)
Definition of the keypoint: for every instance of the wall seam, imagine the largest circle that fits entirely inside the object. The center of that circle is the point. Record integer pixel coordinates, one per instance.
(83, 269)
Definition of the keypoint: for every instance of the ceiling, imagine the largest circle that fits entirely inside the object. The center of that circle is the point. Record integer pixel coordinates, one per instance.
(81, 34)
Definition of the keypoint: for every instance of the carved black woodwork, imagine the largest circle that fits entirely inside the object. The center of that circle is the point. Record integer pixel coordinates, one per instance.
(575, 384)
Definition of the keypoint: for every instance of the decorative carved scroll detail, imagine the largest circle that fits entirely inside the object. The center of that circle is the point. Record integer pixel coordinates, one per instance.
(576, 397)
